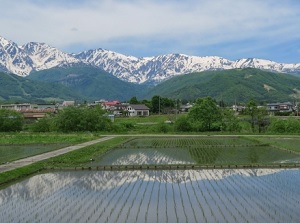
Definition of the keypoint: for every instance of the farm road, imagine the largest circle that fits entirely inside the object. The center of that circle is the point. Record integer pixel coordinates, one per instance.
(33, 159)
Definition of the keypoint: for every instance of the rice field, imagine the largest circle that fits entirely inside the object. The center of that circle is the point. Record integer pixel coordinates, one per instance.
(14, 146)
(291, 143)
(227, 195)
(12, 152)
(195, 150)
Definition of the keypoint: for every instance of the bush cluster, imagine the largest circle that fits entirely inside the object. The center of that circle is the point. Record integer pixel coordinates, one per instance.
(10, 121)
(289, 125)
(74, 119)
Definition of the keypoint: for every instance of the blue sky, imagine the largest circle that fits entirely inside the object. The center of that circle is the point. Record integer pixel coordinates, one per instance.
(233, 29)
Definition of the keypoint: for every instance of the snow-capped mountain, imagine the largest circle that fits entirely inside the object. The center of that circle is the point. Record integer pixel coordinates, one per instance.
(13, 59)
(22, 60)
(45, 56)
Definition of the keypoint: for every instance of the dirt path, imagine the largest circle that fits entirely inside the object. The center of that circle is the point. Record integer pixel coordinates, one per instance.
(33, 159)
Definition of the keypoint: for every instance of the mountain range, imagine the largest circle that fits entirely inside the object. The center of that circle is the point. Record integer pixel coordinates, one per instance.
(31, 57)
(88, 83)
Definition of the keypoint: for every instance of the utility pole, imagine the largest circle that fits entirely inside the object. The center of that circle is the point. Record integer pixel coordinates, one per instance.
(158, 105)
(176, 109)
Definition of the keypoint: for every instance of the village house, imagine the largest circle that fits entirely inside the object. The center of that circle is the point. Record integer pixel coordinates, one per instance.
(138, 110)
(17, 107)
(121, 109)
(238, 108)
(32, 111)
(186, 107)
(273, 108)
(109, 105)
(37, 113)
(68, 103)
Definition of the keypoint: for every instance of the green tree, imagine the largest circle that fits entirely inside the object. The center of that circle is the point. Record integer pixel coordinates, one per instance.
(262, 119)
(155, 102)
(73, 119)
(160, 104)
(134, 101)
(206, 114)
(230, 122)
(148, 103)
(11, 121)
(252, 110)
(257, 115)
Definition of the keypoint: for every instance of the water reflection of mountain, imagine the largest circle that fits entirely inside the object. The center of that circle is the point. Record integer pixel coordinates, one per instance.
(46, 184)
(127, 156)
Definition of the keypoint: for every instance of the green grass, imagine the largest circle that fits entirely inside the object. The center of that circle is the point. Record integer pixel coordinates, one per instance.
(38, 138)
(77, 158)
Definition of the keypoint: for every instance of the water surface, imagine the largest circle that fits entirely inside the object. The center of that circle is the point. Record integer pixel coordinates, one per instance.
(228, 195)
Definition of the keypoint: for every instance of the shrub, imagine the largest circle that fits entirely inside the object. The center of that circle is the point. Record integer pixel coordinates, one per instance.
(182, 124)
(42, 125)
(290, 125)
(164, 128)
(10, 121)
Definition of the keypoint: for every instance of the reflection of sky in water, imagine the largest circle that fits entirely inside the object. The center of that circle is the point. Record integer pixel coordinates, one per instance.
(255, 195)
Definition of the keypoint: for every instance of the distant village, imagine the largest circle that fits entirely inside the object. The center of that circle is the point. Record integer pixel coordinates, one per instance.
(113, 108)
(117, 108)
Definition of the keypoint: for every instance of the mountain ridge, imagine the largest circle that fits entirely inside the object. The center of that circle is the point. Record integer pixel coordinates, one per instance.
(22, 60)
(231, 86)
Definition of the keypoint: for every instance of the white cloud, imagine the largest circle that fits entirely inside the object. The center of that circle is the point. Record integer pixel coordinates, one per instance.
(190, 23)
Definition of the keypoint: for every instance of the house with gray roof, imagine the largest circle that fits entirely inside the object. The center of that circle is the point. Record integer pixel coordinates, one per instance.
(272, 108)
(138, 110)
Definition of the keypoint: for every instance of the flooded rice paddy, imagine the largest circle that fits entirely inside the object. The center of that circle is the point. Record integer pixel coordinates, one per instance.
(227, 195)
(14, 152)
(197, 195)
(192, 150)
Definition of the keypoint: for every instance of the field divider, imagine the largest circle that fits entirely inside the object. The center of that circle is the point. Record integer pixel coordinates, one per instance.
(173, 167)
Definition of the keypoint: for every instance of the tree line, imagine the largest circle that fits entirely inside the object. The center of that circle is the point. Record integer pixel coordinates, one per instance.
(205, 116)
